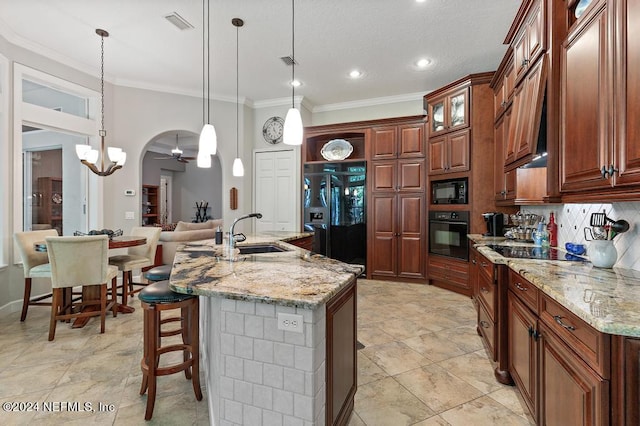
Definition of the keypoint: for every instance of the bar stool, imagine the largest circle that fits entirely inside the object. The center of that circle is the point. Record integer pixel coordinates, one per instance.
(158, 273)
(155, 298)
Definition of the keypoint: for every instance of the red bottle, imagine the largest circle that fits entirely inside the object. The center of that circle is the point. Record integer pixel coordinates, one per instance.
(552, 227)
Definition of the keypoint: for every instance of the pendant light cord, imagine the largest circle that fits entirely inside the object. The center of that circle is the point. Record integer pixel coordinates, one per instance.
(293, 52)
(237, 91)
(208, 62)
(204, 87)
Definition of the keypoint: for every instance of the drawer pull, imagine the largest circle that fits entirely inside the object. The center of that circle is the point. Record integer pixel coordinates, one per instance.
(521, 287)
(558, 319)
(484, 290)
(484, 324)
(484, 264)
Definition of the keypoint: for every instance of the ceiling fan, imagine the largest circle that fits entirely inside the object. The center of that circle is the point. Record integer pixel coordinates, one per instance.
(176, 154)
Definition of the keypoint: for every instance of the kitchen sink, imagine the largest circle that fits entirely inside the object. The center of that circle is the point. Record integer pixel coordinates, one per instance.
(260, 248)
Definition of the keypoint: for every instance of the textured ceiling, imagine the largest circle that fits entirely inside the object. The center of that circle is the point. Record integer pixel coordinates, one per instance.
(383, 38)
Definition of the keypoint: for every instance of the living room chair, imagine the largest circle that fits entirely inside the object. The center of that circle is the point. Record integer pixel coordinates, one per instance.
(35, 265)
(136, 258)
(80, 261)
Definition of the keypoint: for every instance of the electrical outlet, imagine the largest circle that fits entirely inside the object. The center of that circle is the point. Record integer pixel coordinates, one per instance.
(290, 322)
(129, 215)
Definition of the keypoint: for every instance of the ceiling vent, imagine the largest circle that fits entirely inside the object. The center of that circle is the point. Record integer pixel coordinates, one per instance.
(288, 60)
(178, 21)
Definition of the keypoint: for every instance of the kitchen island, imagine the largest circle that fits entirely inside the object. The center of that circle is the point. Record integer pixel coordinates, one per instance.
(277, 331)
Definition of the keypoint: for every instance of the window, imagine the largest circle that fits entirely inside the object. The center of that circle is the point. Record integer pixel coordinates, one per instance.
(50, 188)
(5, 161)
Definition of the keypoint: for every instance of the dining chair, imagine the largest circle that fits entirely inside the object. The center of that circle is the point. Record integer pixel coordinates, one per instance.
(80, 261)
(137, 257)
(35, 265)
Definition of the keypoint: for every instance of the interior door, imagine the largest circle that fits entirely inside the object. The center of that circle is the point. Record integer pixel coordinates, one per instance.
(275, 191)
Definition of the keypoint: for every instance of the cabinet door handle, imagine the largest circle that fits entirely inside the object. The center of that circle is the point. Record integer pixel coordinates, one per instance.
(521, 287)
(473, 261)
(558, 319)
(604, 172)
(484, 324)
(525, 62)
(612, 170)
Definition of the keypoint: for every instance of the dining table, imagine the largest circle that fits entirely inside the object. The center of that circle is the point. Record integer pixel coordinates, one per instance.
(93, 292)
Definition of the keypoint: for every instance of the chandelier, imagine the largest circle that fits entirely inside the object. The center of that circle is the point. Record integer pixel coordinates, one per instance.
(89, 156)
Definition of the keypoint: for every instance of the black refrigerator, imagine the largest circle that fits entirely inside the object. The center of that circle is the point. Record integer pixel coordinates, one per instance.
(334, 208)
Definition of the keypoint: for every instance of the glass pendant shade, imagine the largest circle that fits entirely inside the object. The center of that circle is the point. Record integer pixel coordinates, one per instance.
(238, 168)
(82, 151)
(208, 142)
(92, 156)
(114, 154)
(203, 160)
(292, 132)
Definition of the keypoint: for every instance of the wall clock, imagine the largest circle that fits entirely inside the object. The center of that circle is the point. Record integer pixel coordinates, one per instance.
(272, 130)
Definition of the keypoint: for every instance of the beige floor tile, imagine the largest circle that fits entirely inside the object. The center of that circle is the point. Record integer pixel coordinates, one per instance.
(386, 402)
(368, 371)
(483, 411)
(22, 409)
(437, 388)
(405, 327)
(395, 357)
(475, 369)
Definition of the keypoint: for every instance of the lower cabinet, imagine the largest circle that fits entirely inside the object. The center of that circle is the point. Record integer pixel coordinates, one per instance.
(559, 363)
(449, 273)
(625, 381)
(341, 358)
(304, 242)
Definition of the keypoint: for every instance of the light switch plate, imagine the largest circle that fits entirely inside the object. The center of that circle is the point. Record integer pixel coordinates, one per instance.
(290, 322)
(129, 215)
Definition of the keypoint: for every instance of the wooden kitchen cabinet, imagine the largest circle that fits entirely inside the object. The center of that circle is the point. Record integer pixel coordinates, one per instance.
(397, 225)
(449, 111)
(530, 42)
(449, 153)
(600, 122)
(625, 383)
(523, 351)
(452, 274)
(399, 141)
(341, 356)
(398, 236)
(559, 363)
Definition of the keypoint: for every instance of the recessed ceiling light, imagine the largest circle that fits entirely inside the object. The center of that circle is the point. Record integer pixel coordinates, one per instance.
(423, 63)
(355, 74)
(420, 1)
(295, 83)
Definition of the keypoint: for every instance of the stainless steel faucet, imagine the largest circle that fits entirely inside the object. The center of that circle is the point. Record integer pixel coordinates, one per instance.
(232, 237)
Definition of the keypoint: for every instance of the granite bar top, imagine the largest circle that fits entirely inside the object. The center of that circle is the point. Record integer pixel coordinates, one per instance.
(607, 299)
(295, 277)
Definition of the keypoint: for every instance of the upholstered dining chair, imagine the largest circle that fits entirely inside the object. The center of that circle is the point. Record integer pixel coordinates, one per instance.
(137, 257)
(80, 261)
(35, 265)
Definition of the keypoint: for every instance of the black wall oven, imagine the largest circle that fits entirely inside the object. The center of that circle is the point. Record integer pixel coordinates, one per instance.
(448, 234)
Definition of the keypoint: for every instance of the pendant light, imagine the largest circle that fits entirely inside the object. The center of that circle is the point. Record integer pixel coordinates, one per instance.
(208, 142)
(238, 168)
(292, 132)
(89, 156)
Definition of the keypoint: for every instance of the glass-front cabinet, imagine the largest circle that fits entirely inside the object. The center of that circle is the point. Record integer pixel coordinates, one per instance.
(449, 112)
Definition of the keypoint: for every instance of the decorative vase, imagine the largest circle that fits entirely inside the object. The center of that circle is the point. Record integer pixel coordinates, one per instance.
(603, 253)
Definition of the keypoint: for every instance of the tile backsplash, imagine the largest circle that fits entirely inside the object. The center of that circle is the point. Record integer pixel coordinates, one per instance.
(573, 218)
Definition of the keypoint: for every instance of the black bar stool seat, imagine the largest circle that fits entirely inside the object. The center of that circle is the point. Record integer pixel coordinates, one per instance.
(158, 273)
(155, 298)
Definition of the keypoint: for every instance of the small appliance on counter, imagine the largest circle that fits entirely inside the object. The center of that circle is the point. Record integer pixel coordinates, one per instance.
(495, 224)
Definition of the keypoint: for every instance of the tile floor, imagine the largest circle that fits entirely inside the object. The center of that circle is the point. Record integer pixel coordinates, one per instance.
(423, 364)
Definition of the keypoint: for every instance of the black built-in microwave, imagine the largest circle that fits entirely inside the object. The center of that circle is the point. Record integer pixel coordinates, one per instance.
(451, 191)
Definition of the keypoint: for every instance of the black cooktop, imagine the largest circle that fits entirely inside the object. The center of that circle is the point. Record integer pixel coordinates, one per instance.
(529, 252)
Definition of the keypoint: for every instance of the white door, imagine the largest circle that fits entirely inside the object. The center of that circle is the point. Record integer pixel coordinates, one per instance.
(276, 193)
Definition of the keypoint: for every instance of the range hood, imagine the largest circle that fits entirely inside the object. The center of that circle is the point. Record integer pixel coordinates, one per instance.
(539, 156)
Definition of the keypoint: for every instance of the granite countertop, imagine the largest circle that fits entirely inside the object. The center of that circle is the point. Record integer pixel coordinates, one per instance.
(607, 299)
(295, 277)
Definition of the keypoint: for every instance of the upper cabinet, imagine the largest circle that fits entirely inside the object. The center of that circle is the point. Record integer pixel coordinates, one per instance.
(449, 112)
(530, 41)
(398, 141)
(600, 85)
